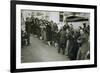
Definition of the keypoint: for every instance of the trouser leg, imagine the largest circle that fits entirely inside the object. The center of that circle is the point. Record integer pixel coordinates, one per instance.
(28, 39)
(63, 51)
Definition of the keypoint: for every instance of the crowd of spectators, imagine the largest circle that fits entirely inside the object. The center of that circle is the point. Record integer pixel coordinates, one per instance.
(70, 42)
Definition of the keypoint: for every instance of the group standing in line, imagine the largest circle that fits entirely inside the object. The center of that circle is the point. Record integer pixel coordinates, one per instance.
(73, 43)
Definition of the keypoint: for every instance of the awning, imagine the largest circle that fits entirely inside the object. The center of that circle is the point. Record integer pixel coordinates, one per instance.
(76, 19)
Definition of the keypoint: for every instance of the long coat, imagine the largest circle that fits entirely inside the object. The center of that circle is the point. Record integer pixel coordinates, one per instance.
(48, 32)
(85, 47)
(75, 47)
(62, 39)
(70, 39)
(28, 26)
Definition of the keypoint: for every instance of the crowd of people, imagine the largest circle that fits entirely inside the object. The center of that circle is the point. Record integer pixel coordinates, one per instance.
(73, 43)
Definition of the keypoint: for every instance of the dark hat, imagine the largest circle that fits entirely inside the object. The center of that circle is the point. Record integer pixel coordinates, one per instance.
(84, 23)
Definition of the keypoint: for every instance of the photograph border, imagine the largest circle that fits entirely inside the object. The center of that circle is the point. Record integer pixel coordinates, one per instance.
(13, 35)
